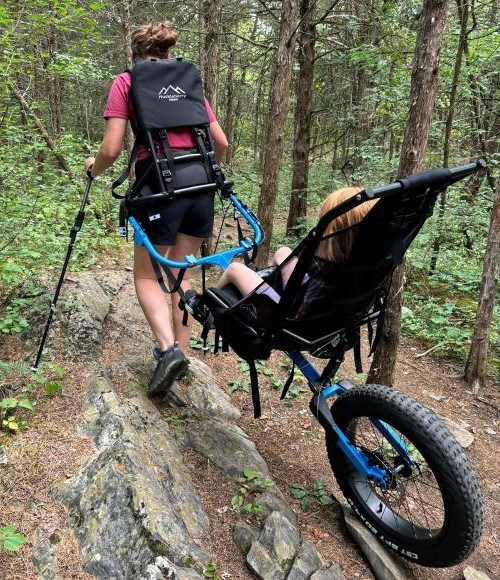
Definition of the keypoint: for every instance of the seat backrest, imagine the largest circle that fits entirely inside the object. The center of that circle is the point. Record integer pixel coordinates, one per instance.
(321, 296)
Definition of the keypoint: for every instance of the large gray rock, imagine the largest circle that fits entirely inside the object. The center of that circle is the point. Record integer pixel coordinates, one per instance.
(384, 565)
(279, 553)
(134, 500)
(202, 395)
(133, 507)
(471, 573)
(225, 445)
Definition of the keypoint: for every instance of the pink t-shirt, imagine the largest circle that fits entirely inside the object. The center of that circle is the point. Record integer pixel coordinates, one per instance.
(119, 105)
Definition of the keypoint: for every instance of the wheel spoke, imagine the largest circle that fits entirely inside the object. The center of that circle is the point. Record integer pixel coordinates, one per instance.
(414, 499)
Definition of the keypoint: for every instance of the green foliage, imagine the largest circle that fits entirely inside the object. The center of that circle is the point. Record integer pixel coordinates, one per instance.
(250, 484)
(441, 307)
(10, 539)
(275, 381)
(210, 571)
(18, 378)
(196, 343)
(13, 321)
(8, 406)
(306, 495)
(37, 220)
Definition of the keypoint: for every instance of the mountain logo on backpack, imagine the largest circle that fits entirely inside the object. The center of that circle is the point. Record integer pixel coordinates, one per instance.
(171, 93)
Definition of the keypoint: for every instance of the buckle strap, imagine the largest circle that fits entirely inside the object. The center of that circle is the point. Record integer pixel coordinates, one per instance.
(126, 172)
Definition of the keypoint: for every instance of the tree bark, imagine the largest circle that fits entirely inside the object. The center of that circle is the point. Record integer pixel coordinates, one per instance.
(296, 225)
(275, 135)
(210, 49)
(475, 367)
(463, 13)
(422, 97)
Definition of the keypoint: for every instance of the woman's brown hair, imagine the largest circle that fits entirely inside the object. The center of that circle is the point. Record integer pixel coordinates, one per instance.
(153, 40)
(337, 246)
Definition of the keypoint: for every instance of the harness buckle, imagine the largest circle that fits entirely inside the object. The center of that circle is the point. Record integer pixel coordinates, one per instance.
(167, 175)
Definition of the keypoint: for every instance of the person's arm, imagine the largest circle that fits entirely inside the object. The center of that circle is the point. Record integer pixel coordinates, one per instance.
(220, 139)
(110, 149)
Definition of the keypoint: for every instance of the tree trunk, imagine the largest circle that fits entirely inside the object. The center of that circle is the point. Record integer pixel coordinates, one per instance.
(478, 353)
(275, 135)
(211, 48)
(295, 225)
(422, 96)
(229, 117)
(463, 13)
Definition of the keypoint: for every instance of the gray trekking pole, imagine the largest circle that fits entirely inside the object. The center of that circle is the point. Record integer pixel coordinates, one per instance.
(77, 226)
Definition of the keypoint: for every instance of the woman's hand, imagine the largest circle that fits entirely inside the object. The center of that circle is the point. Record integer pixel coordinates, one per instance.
(89, 163)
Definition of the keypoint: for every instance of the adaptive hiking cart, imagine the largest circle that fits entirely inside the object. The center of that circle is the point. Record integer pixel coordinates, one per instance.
(401, 470)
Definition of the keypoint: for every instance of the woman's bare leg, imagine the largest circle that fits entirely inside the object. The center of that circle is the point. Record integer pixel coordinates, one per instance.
(279, 257)
(153, 301)
(184, 246)
(158, 306)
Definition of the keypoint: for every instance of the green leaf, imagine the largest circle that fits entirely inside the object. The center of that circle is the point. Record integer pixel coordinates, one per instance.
(236, 501)
(11, 540)
(250, 474)
(11, 528)
(52, 387)
(297, 493)
(305, 503)
(9, 403)
(319, 484)
(26, 404)
(325, 500)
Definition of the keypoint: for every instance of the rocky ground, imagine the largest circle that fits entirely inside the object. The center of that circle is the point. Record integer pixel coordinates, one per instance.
(72, 439)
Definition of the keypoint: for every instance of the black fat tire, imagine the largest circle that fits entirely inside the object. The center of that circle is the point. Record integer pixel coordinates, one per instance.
(462, 511)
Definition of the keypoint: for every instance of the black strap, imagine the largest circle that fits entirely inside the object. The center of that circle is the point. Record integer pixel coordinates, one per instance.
(288, 382)
(175, 282)
(380, 324)
(209, 154)
(254, 382)
(200, 144)
(246, 258)
(126, 172)
(357, 355)
(167, 164)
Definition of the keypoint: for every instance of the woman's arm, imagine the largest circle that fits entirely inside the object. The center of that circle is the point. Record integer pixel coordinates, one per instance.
(111, 146)
(220, 139)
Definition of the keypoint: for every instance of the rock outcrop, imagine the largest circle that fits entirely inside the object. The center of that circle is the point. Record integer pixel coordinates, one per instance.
(133, 507)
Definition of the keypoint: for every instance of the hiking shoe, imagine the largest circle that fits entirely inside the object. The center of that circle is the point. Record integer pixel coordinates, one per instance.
(172, 363)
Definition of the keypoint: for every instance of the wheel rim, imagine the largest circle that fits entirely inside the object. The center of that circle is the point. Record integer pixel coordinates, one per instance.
(412, 505)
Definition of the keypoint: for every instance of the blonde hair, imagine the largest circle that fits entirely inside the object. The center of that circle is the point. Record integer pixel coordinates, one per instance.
(153, 40)
(337, 246)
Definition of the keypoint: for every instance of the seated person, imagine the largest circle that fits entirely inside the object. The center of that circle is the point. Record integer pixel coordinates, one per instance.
(334, 248)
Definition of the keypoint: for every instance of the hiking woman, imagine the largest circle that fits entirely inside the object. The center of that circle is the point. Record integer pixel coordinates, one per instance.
(184, 222)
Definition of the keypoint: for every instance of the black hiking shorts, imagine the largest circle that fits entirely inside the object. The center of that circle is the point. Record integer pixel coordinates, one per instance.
(191, 215)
